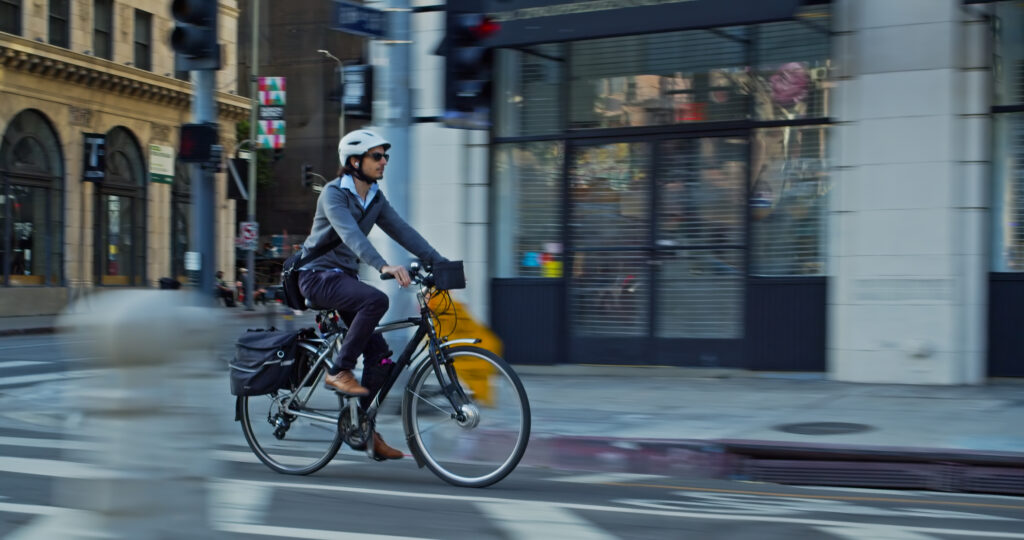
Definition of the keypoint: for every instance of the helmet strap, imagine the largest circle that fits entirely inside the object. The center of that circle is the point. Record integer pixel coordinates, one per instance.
(357, 172)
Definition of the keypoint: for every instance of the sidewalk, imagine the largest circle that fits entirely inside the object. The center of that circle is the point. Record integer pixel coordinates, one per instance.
(774, 427)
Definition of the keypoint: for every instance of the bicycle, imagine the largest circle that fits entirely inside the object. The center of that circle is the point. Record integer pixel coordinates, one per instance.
(470, 437)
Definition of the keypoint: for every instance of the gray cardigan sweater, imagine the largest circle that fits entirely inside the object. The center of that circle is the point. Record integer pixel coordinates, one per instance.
(340, 209)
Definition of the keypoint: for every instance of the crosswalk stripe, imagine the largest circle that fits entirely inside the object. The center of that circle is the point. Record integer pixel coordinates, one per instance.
(18, 363)
(60, 444)
(527, 520)
(45, 377)
(313, 534)
(603, 478)
(53, 467)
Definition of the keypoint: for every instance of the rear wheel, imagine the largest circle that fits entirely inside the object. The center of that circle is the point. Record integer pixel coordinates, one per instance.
(295, 430)
(481, 441)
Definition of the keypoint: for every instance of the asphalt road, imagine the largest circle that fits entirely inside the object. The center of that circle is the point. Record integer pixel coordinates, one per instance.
(357, 498)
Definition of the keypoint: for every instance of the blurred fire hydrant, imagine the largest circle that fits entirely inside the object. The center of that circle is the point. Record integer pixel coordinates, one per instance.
(455, 322)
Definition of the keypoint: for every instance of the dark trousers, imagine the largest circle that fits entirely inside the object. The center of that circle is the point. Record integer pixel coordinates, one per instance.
(361, 306)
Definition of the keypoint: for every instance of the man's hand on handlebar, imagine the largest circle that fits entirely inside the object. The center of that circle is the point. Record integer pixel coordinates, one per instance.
(399, 272)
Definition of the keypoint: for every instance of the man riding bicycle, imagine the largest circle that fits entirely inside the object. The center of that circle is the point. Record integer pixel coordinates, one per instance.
(350, 206)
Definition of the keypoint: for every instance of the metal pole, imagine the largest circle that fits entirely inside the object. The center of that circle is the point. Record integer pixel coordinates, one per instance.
(204, 230)
(396, 118)
(250, 256)
(341, 100)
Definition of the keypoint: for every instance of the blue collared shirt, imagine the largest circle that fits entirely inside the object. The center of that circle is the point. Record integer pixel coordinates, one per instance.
(348, 183)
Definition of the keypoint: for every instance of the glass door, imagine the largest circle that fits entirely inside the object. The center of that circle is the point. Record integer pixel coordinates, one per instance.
(656, 244)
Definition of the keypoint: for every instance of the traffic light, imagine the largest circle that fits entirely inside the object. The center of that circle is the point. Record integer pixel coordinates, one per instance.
(468, 67)
(307, 173)
(194, 38)
(196, 143)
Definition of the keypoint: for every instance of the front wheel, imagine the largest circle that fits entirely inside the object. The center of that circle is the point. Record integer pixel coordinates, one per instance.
(481, 441)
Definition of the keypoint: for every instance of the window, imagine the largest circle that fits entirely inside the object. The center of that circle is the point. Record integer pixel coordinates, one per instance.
(1008, 162)
(120, 213)
(103, 29)
(59, 15)
(31, 226)
(530, 216)
(143, 39)
(10, 16)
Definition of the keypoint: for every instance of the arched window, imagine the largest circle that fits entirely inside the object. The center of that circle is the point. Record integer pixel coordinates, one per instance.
(121, 213)
(181, 219)
(31, 202)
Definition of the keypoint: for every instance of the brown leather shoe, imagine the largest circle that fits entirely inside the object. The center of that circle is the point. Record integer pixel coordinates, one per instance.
(345, 383)
(382, 451)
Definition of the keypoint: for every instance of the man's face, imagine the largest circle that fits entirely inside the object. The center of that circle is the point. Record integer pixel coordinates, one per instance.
(372, 167)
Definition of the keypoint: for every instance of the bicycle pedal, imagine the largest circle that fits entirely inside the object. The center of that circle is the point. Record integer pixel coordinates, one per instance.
(346, 394)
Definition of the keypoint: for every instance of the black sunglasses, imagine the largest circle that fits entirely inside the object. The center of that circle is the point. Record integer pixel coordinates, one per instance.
(377, 156)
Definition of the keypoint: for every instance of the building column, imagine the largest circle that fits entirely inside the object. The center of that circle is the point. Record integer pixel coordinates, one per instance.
(908, 243)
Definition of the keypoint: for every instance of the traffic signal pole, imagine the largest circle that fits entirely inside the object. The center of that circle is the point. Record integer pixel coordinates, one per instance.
(395, 116)
(250, 256)
(204, 226)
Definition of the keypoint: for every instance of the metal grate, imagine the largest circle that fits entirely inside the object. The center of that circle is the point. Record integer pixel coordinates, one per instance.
(530, 214)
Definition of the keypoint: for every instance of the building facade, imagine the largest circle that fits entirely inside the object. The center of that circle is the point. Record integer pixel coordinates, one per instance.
(831, 189)
(74, 75)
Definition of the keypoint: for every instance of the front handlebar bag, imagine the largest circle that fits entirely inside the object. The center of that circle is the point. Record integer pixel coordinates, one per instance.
(264, 361)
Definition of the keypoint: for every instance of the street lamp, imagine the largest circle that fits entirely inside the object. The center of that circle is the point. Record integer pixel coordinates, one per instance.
(341, 96)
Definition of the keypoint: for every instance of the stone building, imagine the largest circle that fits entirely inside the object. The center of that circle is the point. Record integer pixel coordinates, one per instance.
(73, 72)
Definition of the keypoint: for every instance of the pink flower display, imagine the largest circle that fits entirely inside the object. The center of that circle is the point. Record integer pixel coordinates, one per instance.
(789, 84)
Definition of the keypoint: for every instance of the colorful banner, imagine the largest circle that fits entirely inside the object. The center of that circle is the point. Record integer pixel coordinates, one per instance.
(270, 134)
(271, 90)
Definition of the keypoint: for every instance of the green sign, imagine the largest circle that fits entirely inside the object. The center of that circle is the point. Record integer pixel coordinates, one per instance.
(161, 163)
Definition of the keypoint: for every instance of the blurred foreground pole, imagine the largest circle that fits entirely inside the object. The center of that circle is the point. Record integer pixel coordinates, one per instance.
(150, 417)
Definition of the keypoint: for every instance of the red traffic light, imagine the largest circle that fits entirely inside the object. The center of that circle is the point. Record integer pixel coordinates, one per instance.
(485, 28)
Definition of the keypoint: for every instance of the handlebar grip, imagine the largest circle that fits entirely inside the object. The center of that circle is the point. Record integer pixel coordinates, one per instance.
(384, 276)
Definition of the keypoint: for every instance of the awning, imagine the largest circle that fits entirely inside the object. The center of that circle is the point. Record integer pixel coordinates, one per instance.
(530, 22)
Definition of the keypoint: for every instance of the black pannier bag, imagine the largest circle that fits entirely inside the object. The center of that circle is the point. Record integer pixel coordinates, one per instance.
(264, 361)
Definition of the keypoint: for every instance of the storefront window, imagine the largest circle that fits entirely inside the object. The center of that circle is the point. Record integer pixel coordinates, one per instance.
(528, 101)
(120, 207)
(181, 219)
(529, 216)
(790, 184)
(793, 75)
(609, 229)
(670, 78)
(31, 218)
(1008, 158)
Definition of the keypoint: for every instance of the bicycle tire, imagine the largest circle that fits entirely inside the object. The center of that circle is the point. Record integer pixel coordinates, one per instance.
(307, 445)
(468, 454)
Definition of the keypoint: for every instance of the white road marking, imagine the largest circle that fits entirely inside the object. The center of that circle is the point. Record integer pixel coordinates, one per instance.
(526, 520)
(313, 534)
(60, 444)
(603, 478)
(875, 532)
(232, 503)
(47, 343)
(623, 510)
(17, 363)
(36, 509)
(53, 467)
(45, 377)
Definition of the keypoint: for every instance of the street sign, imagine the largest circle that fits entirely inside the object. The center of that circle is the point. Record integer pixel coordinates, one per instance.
(95, 147)
(359, 20)
(249, 233)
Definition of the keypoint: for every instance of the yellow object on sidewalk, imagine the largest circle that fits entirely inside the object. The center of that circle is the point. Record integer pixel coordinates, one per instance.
(455, 322)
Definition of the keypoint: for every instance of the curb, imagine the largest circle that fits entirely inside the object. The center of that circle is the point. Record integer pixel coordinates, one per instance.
(878, 467)
(27, 331)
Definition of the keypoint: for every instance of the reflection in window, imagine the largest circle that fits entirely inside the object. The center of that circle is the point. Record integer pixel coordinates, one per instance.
(658, 79)
(609, 225)
(528, 100)
(788, 205)
(529, 184)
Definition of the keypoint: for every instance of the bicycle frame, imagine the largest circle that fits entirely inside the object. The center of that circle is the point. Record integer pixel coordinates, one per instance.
(324, 347)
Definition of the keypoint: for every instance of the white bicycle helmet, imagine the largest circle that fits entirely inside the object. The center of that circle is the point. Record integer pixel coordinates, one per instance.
(357, 143)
